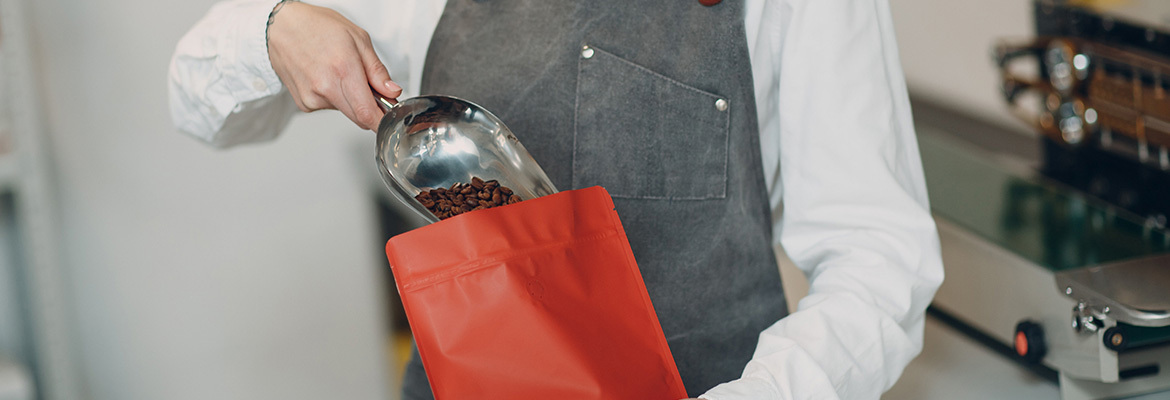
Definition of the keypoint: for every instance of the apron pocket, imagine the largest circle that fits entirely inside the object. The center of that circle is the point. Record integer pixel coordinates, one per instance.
(643, 135)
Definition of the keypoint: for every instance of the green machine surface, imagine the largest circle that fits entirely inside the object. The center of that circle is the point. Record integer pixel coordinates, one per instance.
(1039, 220)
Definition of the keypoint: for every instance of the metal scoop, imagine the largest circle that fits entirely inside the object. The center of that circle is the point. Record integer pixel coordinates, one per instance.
(428, 142)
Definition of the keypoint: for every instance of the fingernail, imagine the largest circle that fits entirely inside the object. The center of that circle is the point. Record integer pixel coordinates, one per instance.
(392, 86)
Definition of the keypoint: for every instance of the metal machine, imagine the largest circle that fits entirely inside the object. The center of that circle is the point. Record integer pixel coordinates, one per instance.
(1068, 264)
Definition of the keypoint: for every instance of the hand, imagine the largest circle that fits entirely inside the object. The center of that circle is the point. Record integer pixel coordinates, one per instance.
(328, 62)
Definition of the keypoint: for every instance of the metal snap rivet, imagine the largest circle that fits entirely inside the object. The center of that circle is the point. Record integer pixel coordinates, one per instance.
(721, 105)
(586, 52)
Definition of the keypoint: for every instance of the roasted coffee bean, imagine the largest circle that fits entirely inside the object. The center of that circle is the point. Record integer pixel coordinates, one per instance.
(460, 198)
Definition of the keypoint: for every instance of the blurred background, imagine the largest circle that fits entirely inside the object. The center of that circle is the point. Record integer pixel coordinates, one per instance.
(138, 263)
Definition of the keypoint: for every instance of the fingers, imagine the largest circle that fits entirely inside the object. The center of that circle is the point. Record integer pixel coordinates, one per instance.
(341, 85)
(359, 101)
(376, 73)
(335, 67)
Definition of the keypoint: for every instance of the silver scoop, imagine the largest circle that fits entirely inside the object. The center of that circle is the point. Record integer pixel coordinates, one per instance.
(428, 142)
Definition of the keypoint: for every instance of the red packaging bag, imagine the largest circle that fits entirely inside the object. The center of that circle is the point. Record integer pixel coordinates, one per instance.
(538, 299)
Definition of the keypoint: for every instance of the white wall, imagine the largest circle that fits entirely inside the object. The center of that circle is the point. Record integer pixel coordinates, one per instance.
(200, 274)
(945, 47)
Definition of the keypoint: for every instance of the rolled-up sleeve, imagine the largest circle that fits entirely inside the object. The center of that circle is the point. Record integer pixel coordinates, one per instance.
(222, 88)
(856, 218)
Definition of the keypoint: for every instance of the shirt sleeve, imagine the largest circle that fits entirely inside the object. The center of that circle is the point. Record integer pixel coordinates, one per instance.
(856, 218)
(222, 88)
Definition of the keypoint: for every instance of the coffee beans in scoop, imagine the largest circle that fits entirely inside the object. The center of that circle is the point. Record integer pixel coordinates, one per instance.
(466, 197)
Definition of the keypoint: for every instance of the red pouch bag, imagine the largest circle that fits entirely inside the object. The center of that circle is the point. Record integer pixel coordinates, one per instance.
(540, 299)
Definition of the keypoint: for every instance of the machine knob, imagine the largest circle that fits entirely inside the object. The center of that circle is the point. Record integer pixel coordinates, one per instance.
(1115, 339)
(1029, 341)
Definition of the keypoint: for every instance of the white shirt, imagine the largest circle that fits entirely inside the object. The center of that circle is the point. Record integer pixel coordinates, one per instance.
(838, 152)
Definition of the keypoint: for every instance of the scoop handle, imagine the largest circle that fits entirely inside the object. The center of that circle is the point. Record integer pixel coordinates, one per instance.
(385, 104)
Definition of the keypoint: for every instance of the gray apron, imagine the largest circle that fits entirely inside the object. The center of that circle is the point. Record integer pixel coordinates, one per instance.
(654, 101)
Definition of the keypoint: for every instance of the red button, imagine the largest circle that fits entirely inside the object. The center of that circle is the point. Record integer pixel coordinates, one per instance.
(709, 3)
(1021, 344)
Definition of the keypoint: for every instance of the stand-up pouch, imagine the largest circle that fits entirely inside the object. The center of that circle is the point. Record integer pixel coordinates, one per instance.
(537, 300)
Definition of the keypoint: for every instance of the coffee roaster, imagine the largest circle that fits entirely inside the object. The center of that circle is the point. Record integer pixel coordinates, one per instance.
(1068, 264)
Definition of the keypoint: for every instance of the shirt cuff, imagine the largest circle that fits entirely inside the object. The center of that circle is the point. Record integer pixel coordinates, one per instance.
(246, 57)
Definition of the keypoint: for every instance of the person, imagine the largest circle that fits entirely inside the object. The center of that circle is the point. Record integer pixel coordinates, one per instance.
(713, 125)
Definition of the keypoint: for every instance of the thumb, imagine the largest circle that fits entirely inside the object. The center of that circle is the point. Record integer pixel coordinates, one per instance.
(376, 72)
